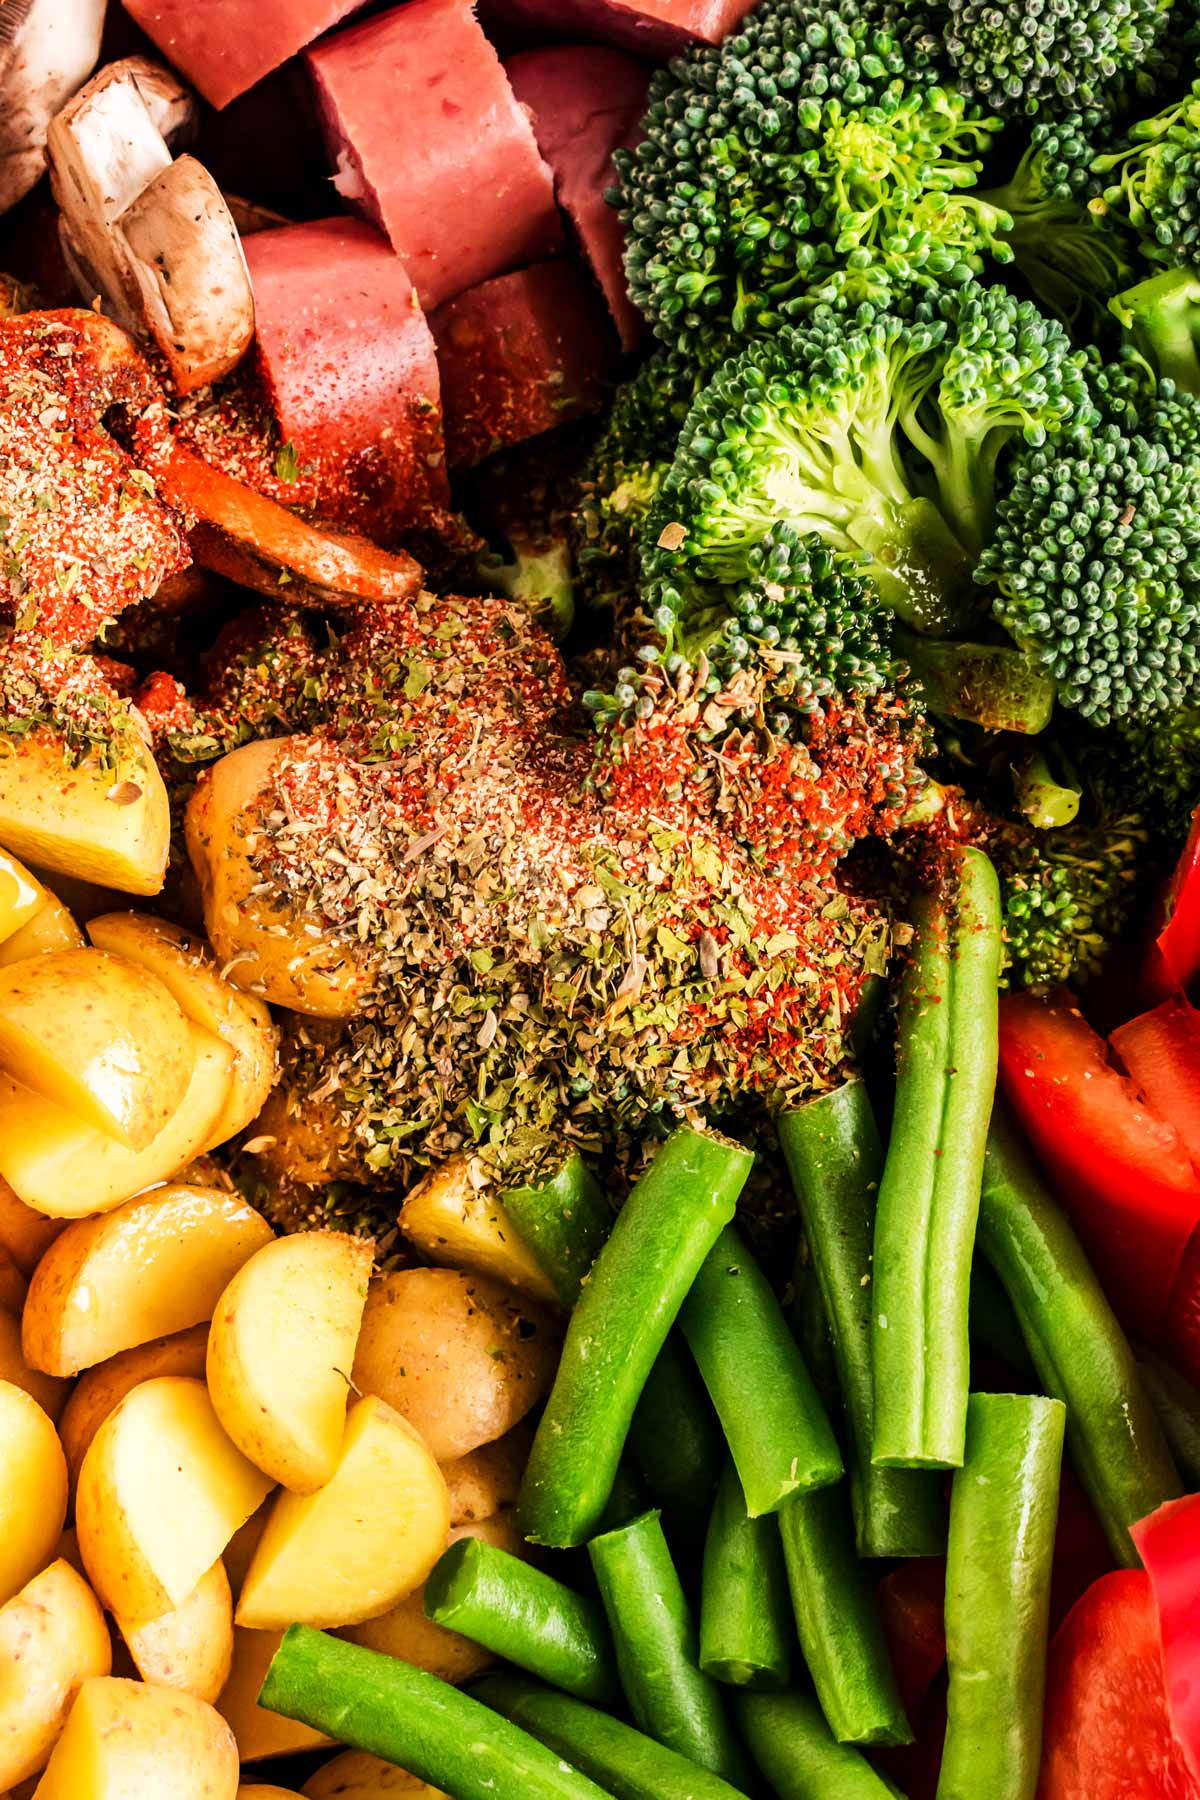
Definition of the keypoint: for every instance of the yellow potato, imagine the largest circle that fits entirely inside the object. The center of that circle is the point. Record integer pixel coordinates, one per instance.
(258, 1790)
(128, 1740)
(406, 1632)
(63, 1168)
(280, 1351)
(277, 953)
(13, 1286)
(260, 1733)
(52, 1638)
(21, 896)
(33, 1489)
(154, 1266)
(188, 970)
(357, 1546)
(356, 1776)
(190, 1647)
(51, 928)
(99, 1390)
(161, 1492)
(24, 1233)
(100, 1037)
(484, 1481)
(110, 825)
(50, 1394)
(453, 1223)
(463, 1358)
(303, 1142)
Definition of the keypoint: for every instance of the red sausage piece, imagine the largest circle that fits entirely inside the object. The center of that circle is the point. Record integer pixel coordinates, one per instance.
(225, 46)
(655, 29)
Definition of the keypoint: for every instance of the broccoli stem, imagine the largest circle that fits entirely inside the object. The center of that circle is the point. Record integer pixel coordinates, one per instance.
(991, 685)
(921, 570)
(1161, 317)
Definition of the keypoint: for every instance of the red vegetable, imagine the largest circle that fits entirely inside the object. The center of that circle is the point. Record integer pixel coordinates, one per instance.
(912, 1602)
(653, 28)
(1169, 1541)
(429, 143)
(1172, 960)
(584, 102)
(1122, 1171)
(1161, 1051)
(1108, 1729)
(1081, 1551)
(225, 46)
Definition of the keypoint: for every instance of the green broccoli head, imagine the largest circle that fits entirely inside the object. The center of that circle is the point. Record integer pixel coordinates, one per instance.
(1067, 896)
(1157, 764)
(1152, 182)
(1095, 564)
(1043, 56)
(814, 155)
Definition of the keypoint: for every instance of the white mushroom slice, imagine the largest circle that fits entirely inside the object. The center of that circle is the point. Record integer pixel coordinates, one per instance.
(250, 217)
(47, 48)
(150, 234)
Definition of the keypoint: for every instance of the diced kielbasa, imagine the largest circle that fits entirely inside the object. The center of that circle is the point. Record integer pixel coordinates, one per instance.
(655, 29)
(225, 46)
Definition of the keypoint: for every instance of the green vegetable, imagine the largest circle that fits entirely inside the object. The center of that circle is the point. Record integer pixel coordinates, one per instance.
(676, 1441)
(1156, 171)
(773, 1420)
(526, 1616)
(1003, 1514)
(1177, 1408)
(637, 1284)
(657, 1649)
(834, 1604)
(564, 1221)
(745, 1626)
(1079, 1351)
(993, 1323)
(1021, 60)
(835, 1159)
(993, 685)
(379, 1704)
(929, 1194)
(793, 1746)
(629, 1765)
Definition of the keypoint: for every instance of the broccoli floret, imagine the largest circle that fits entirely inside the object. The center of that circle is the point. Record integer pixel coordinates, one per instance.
(1096, 566)
(814, 155)
(1067, 896)
(1159, 766)
(541, 575)
(1042, 55)
(1156, 190)
(1161, 320)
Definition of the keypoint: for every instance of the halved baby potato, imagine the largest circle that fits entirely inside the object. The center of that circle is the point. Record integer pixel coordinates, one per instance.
(99, 1037)
(188, 970)
(190, 1647)
(280, 1351)
(99, 820)
(161, 1492)
(359, 1544)
(259, 1733)
(151, 1267)
(456, 1224)
(65, 1169)
(130, 1738)
(261, 1790)
(486, 1480)
(52, 1638)
(50, 928)
(21, 896)
(355, 1775)
(101, 1389)
(33, 1489)
(50, 1394)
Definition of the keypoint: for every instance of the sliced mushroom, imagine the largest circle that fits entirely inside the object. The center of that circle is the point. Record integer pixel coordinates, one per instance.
(250, 217)
(47, 48)
(148, 232)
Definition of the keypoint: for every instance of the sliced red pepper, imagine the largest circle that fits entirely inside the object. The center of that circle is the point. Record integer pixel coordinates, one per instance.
(912, 1604)
(1108, 1729)
(1182, 1334)
(1161, 1051)
(1172, 959)
(1169, 1541)
(1121, 1170)
(1081, 1550)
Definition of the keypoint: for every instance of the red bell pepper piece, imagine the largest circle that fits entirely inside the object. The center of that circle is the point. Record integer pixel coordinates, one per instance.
(912, 1605)
(1161, 1051)
(1182, 1334)
(1172, 959)
(1169, 1542)
(1121, 1170)
(1081, 1550)
(1108, 1729)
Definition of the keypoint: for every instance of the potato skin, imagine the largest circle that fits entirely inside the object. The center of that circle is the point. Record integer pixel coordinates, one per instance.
(52, 1638)
(33, 1489)
(356, 1775)
(190, 1647)
(25, 1233)
(462, 1357)
(102, 1388)
(485, 1481)
(130, 1737)
(49, 1392)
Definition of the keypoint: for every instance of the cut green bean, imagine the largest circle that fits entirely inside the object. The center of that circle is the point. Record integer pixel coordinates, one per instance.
(1081, 1355)
(629, 1302)
(789, 1740)
(1177, 1407)
(995, 1327)
(627, 1497)
(564, 1222)
(526, 1616)
(658, 1656)
(746, 1630)
(1003, 1515)
(777, 1430)
(836, 1617)
(676, 1441)
(626, 1763)
(809, 1322)
(835, 1158)
(382, 1705)
(929, 1195)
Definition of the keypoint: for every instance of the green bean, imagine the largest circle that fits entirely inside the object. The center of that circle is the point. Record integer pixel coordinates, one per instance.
(995, 1327)
(1177, 1407)
(929, 1194)
(657, 1649)
(628, 1764)
(792, 1745)
(1003, 1514)
(564, 1221)
(627, 1497)
(836, 1617)
(835, 1159)
(676, 1441)
(809, 1322)
(745, 1628)
(526, 1616)
(380, 1704)
(629, 1302)
(1081, 1355)
(776, 1428)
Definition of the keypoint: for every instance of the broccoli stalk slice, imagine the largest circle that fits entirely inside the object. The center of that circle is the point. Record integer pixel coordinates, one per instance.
(1046, 801)
(991, 685)
(1161, 318)
(541, 577)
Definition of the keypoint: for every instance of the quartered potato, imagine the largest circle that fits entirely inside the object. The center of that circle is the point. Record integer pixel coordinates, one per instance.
(33, 1489)
(486, 1480)
(50, 1394)
(453, 1223)
(259, 1733)
(280, 1351)
(24, 1233)
(102, 1388)
(52, 1638)
(149, 1268)
(106, 823)
(190, 1647)
(129, 1738)
(356, 1776)
(32, 919)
